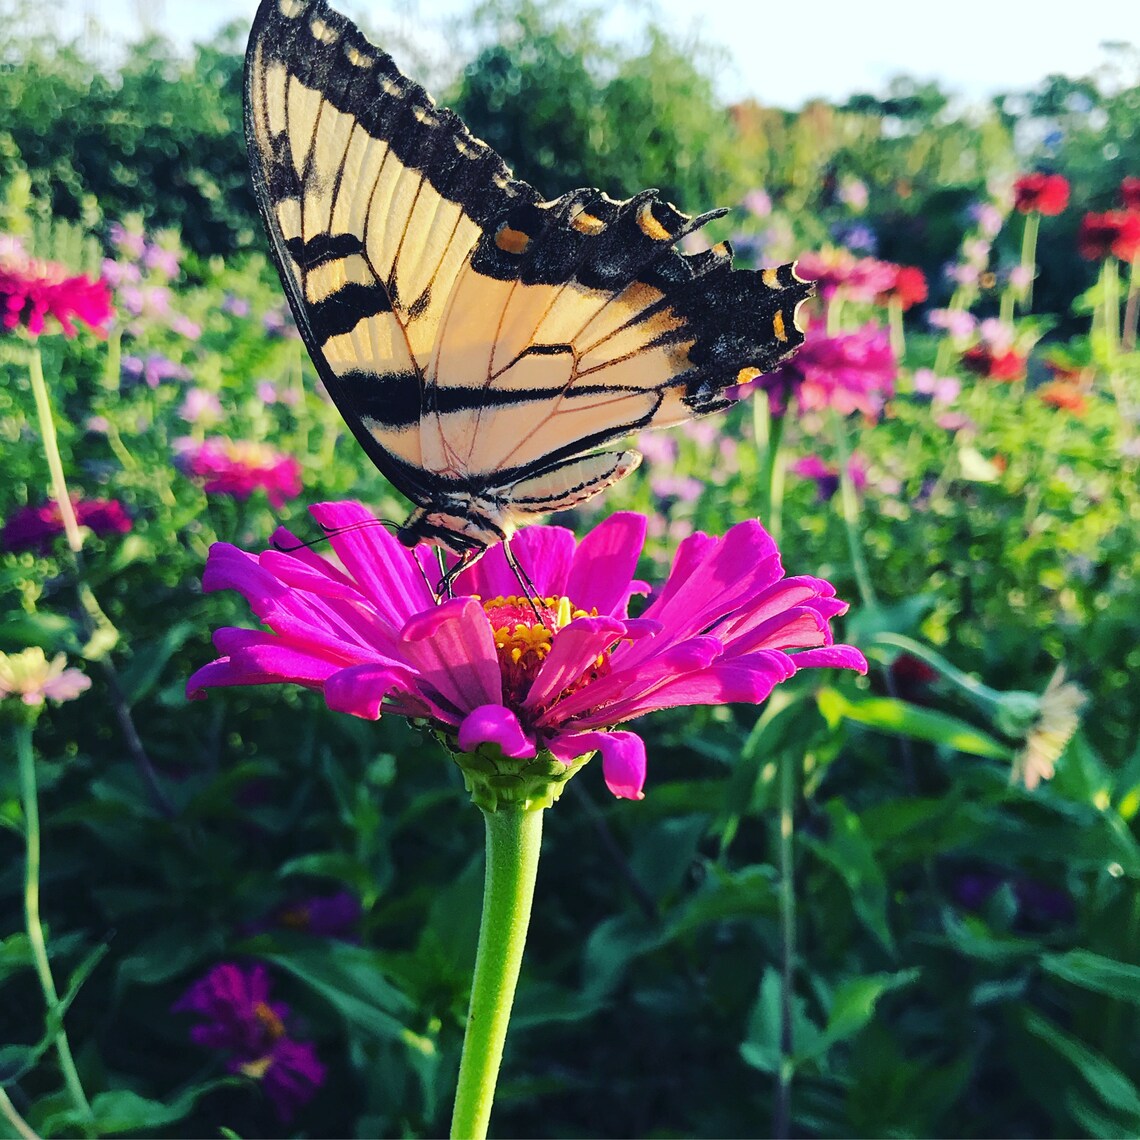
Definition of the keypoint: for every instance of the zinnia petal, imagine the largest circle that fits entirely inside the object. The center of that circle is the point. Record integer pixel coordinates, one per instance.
(623, 758)
(495, 724)
(601, 575)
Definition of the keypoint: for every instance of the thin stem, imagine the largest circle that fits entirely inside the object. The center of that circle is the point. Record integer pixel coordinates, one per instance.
(1029, 257)
(849, 500)
(1110, 299)
(514, 840)
(51, 450)
(30, 799)
(782, 1108)
(769, 430)
(1131, 306)
(19, 1124)
(898, 336)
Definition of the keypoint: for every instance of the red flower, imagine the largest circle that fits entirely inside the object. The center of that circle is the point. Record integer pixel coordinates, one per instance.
(993, 363)
(35, 528)
(1115, 232)
(238, 467)
(909, 287)
(1043, 193)
(31, 291)
(1064, 394)
(1130, 192)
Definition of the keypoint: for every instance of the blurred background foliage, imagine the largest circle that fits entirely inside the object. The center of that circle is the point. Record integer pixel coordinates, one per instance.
(967, 948)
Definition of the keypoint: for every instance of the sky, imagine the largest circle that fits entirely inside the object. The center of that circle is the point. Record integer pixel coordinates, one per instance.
(779, 53)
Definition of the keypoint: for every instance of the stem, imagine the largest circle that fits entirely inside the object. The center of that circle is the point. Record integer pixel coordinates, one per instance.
(782, 1108)
(514, 840)
(895, 320)
(769, 431)
(27, 763)
(1029, 257)
(19, 1124)
(850, 504)
(1131, 306)
(51, 450)
(1110, 299)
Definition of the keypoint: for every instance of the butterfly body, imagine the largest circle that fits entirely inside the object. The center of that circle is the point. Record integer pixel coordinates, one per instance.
(483, 344)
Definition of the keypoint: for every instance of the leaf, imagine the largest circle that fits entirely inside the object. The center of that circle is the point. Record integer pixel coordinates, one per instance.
(762, 1048)
(901, 719)
(1095, 972)
(1105, 1079)
(147, 663)
(849, 852)
(121, 1110)
(853, 1006)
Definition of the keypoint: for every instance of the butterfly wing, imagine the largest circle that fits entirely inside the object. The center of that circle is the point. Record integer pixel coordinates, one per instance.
(374, 200)
(480, 343)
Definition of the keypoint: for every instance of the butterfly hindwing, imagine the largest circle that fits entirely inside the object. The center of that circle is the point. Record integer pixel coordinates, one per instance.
(480, 342)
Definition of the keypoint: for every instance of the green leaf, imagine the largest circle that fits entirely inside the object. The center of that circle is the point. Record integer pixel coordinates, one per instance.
(849, 852)
(853, 1006)
(147, 663)
(1095, 972)
(901, 719)
(121, 1110)
(1105, 1079)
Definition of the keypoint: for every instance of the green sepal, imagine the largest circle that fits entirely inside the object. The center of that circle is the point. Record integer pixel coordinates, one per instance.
(496, 781)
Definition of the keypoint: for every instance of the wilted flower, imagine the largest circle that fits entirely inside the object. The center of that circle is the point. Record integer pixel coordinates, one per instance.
(31, 291)
(239, 467)
(1058, 715)
(240, 1020)
(36, 528)
(851, 372)
(533, 685)
(1043, 193)
(826, 475)
(33, 678)
(1116, 232)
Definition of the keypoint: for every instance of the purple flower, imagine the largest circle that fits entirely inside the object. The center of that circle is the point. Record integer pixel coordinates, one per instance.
(327, 916)
(988, 218)
(152, 301)
(679, 488)
(184, 326)
(959, 323)
(201, 407)
(853, 193)
(120, 273)
(164, 262)
(849, 372)
(279, 323)
(130, 243)
(240, 1020)
(153, 370)
(483, 668)
(826, 475)
(941, 389)
(234, 305)
(758, 203)
(657, 447)
(36, 528)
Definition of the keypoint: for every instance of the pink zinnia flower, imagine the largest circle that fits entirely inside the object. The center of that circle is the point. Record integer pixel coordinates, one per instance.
(908, 289)
(826, 475)
(35, 528)
(851, 372)
(484, 669)
(239, 1019)
(239, 467)
(1045, 193)
(861, 278)
(31, 291)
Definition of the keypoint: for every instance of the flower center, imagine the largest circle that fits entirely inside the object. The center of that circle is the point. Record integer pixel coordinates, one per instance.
(269, 1021)
(524, 631)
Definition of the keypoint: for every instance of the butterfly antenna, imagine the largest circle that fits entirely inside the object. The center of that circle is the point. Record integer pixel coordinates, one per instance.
(331, 532)
(530, 591)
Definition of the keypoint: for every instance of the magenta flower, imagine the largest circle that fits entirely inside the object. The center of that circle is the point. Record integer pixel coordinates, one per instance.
(860, 278)
(31, 291)
(484, 669)
(826, 475)
(851, 372)
(240, 1020)
(36, 528)
(239, 467)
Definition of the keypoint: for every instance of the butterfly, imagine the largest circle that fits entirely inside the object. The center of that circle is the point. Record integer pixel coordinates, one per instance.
(482, 343)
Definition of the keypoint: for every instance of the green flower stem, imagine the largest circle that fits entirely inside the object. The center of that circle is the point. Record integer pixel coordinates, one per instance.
(782, 1105)
(514, 839)
(1110, 300)
(51, 449)
(898, 336)
(1131, 307)
(1029, 257)
(769, 432)
(19, 1124)
(849, 501)
(27, 762)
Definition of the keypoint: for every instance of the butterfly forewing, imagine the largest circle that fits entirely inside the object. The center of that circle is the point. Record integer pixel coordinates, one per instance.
(480, 342)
